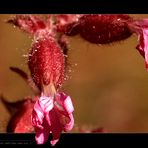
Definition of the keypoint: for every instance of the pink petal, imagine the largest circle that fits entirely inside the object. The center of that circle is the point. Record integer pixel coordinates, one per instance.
(52, 124)
(46, 117)
(42, 134)
(53, 142)
(143, 46)
(46, 103)
(65, 102)
(62, 20)
(53, 115)
(37, 115)
(28, 23)
(69, 125)
(141, 28)
(65, 107)
(43, 105)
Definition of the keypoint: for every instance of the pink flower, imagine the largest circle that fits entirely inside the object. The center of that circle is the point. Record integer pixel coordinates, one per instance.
(52, 112)
(140, 27)
(52, 115)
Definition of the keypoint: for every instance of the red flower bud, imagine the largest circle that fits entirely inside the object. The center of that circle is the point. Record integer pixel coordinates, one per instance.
(46, 62)
(101, 29)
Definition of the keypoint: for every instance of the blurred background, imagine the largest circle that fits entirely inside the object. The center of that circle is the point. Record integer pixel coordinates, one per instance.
(108, 83)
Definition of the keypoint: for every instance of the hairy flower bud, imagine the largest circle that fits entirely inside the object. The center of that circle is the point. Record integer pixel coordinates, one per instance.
(101, 29)
(46, 62)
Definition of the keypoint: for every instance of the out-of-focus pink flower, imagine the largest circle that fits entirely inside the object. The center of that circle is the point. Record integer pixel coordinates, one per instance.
(52, 115)
(96, 28)
(28, 23)
(65, 20)
(140, 27)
